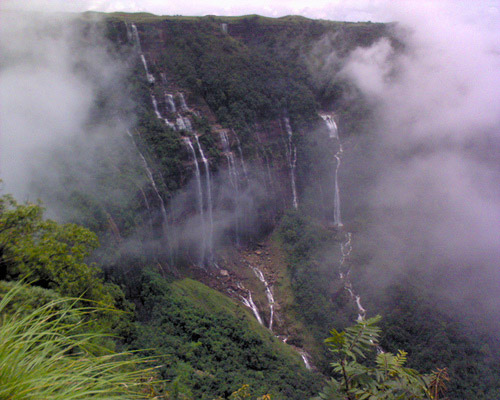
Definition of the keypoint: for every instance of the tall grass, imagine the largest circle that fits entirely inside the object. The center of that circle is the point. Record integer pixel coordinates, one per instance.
(48, 354)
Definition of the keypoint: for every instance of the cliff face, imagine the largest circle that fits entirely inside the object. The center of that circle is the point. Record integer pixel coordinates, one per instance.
(230, 123)
(240, 90)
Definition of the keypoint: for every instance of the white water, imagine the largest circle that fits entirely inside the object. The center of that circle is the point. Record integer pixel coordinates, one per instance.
(157, 112)
(292, 161)
(137, 43)
(149, 76)
(149, 174)
(187, 124)
(337, 218)
(155, 106)
(345, 250)
(269, 293)
(169, 100)
(231, 164)
(199, 193)
(184, 106)
(248, 302)
(331, 125)
(223, 28)
(208, 184)
(243, 166)
(180, 124)
(304, 356)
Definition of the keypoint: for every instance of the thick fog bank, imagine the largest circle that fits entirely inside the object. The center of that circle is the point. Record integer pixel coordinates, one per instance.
(56, 77)
(434, 201)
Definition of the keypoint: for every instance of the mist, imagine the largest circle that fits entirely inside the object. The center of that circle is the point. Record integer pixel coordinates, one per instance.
(51, 77)
(434, 196)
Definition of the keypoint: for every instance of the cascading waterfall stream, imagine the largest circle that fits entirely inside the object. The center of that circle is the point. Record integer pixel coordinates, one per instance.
(305, 358)
(333, 130)
(269, 293)
(135, 35)
(208, 184)
(346, 245)
(248, 302)
(243, 166)
(150, 176)
(184, 106)
(199, 192)
(337, 218)
(169, 100)
(157, 112)
(334, 134)
(137, 43)
(231, 163)
(346, 249)
(292, 161)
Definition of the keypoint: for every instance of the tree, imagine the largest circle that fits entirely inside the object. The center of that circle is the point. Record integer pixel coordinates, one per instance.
(46, 253)
(52, 256)
(386, 378)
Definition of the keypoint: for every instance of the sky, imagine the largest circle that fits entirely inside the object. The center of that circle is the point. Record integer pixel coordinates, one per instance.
(351, 10)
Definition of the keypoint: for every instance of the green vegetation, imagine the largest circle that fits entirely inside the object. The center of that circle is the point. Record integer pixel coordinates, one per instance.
(387, 378)
(48, 254)
(412, 321)
(211, 346)
(241, 85)
(205, 344)
(50, 352)
(320, 298)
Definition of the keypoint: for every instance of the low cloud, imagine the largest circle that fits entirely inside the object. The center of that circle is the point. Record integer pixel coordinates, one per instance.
(435, 201)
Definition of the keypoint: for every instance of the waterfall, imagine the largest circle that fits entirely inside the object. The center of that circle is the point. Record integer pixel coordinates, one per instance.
(269, 293)
(346, 245)
(223, 28)
(207, 234)
(345, 250)
(149, 174)
(187, 124)
(242, 160)
(292, 161)
(169, 100)
(199, 192)
(337, 219)
(149, 76)
(331, 126)
(184, 106)
(158, 114)
(334, 134)
(304, 356)
(155, 106)
(137, 43)
(248, 302)
(179, 122)
(231, 164)
(209, 197)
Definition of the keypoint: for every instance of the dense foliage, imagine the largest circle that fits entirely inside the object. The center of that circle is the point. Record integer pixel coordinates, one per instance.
(210, 346)
(49, 352)
(414, 322)
(387, 379)
(320, 298)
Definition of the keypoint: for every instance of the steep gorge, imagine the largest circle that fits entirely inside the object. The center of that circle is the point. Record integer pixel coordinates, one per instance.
(237, 138)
